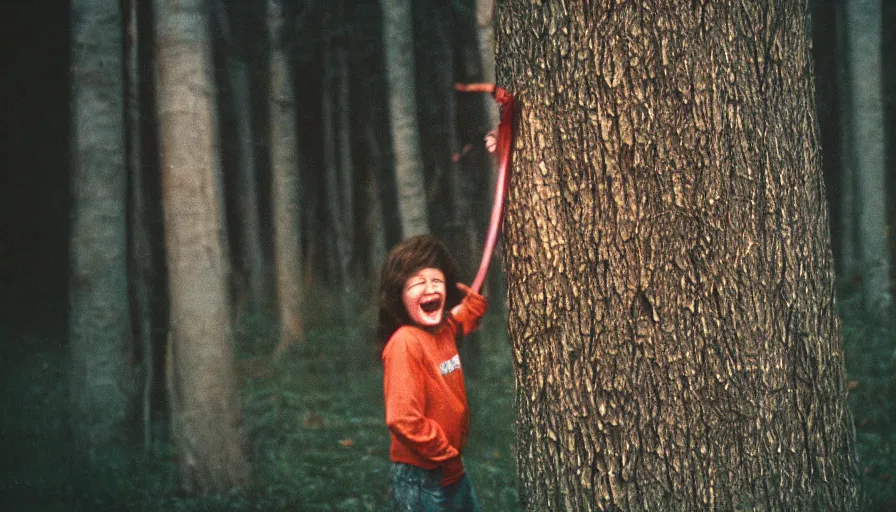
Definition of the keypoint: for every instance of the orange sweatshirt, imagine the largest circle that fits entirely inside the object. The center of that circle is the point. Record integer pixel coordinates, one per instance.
(426, 401)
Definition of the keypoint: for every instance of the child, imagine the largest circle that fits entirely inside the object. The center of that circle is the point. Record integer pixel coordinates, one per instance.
(426, 401)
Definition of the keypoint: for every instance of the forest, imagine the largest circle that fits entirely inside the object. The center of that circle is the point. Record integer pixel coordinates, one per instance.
(690, 301)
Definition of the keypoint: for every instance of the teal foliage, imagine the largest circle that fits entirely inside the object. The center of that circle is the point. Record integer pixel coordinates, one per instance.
(869, 346)
(314, 423)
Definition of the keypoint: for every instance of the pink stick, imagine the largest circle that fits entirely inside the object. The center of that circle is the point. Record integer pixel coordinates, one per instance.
(505, 147)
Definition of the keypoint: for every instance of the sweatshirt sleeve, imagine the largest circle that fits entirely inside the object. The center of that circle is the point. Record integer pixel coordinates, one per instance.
(470, 310)
(403, 385)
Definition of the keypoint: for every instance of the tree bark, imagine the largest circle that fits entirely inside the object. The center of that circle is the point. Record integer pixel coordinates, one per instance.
(286, 192)
(866, 151)
(102, 372)
(205, 417)
(399, 59)
(670, 286)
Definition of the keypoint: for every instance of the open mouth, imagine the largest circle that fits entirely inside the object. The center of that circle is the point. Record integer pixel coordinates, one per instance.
(431, 306)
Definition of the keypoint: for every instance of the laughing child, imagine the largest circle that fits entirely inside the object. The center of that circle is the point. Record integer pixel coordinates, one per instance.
(426, 401)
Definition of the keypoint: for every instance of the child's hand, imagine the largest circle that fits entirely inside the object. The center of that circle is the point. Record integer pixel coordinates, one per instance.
(491, 140)
(475, 303)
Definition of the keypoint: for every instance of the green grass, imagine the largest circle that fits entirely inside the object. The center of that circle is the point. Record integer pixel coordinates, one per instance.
(315, 426)
(318, 434)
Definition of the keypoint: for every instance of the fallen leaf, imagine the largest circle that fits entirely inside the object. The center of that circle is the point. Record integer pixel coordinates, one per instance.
(346, 442)
(853, 384)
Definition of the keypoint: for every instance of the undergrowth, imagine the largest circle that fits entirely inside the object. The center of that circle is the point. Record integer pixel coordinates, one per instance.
(315, 430)
(869, 343)
(314, 423)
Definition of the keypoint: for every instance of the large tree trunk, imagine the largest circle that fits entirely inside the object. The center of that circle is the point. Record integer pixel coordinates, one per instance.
(866, 151)
(399, 59)
(205, 418)
(286, 185)
(671, 302)
(102, 372)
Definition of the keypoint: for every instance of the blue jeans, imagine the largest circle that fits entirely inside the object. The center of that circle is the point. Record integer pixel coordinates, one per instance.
(416, 489)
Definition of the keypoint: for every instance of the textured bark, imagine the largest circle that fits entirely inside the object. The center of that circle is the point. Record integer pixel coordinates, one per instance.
(286, 192)
(399, 60)
(102, 369)
(670, 284)
(866, 150)
(200, 358)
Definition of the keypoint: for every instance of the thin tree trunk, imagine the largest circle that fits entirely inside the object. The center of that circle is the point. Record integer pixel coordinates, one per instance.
(671, 295)
(205, 413)
(847, 222)
(867, 151)
(346, 165)
(102, 368)
(399, 59)
(485, 22)
(247, 202)
(374, 222)
(333, 183)
(141, 265)
(286, 192)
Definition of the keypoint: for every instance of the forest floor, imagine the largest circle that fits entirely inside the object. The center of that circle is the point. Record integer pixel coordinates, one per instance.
(315, 428)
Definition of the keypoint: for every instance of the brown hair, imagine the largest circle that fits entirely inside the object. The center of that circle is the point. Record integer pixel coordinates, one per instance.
(402, 262)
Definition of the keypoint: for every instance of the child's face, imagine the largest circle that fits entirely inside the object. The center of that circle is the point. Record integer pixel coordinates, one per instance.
(424, 297)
